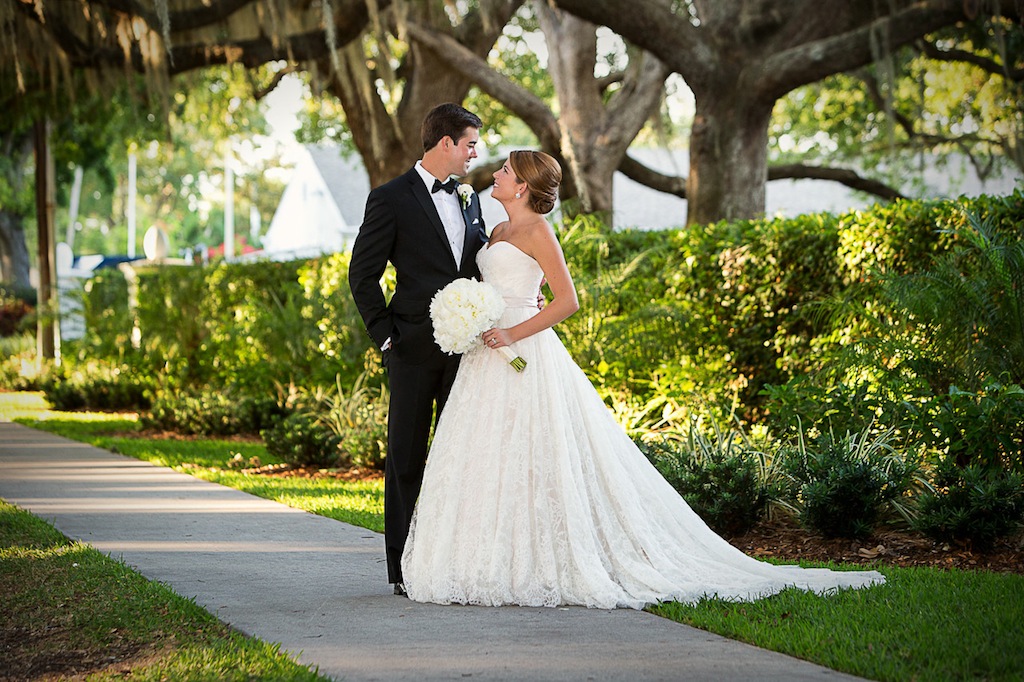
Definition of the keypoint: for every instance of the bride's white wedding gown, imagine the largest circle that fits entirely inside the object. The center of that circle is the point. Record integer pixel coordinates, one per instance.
(534, 495)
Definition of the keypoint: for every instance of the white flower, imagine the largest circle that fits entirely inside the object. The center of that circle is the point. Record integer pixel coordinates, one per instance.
(462, 311)
(465, 193)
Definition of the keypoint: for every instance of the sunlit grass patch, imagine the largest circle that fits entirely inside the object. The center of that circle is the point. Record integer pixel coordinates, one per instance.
(924, 623)
(22, 406)
(70, 610)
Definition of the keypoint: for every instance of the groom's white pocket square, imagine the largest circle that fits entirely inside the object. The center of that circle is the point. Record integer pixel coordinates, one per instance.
(476, 220)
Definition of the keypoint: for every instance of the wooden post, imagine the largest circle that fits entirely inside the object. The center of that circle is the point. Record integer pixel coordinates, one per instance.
(47, 344)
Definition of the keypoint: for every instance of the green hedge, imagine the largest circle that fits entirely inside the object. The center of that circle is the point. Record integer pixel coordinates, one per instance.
(724, 310)
(246, 328)
(721, 310)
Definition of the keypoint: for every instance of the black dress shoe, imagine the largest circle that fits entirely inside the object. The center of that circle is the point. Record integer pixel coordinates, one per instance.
(400, 589)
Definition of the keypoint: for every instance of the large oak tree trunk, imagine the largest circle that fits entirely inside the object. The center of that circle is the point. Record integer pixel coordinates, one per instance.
(728, 159)
(389, 141)
(740, 56)
(596, 128)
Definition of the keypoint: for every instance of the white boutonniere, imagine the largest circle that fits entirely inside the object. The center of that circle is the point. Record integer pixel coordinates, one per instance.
(465, 193)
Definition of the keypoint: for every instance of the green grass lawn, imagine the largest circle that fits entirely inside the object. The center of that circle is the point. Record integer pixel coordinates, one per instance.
(70, 610)
(924, 624)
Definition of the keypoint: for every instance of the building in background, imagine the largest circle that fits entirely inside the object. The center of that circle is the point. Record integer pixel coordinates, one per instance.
(321, 208)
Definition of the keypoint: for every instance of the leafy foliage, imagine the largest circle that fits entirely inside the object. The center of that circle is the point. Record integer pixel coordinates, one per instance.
(840, 484)
(984, 428)
(964, 314)
(722, 476)
(298, 439)
(884, 116)
(973, 504)
(97, 386)
(358, 417)
(213, 412)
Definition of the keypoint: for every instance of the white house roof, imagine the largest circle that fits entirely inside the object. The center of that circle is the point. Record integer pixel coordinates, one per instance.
(346, 180)
(321, 208)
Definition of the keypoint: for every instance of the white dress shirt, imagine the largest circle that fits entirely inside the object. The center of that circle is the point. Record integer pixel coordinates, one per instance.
(450, 212)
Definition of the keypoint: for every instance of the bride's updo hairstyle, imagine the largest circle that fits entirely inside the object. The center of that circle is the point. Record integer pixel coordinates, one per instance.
(542, 175)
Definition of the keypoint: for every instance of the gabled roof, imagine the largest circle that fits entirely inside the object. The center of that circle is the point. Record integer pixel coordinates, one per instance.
(346, 180)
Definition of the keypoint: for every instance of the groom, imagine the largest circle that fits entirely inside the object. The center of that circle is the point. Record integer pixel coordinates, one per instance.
(431, 235)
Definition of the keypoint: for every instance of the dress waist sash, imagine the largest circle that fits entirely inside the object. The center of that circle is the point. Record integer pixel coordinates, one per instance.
(520, 302)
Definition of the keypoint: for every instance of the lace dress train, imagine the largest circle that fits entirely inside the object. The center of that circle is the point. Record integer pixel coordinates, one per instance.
(533, 495)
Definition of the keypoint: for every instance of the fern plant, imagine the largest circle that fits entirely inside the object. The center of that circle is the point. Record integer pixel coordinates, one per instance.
(965, 315)
(359, 419)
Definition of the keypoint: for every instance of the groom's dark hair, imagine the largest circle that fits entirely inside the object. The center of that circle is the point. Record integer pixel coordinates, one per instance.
(448, 119)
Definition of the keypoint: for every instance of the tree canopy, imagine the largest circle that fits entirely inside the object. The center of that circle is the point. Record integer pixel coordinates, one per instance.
(767, 77)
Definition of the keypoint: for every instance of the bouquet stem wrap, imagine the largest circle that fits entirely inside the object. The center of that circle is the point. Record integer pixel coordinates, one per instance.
(462, 311)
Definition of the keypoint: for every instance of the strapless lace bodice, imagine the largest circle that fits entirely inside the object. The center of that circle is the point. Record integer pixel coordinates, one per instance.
(514, 274)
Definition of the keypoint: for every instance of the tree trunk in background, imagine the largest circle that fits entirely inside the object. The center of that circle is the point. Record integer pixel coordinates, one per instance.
(728, 159)
(46, 327)
(389, 141)
(740, 56)
(596, 128)
(16, 148)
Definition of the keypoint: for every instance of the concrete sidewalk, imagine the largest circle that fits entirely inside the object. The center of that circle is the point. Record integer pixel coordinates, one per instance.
(318, 586)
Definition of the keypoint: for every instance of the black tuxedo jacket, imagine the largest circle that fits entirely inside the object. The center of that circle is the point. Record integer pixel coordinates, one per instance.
(401, 225)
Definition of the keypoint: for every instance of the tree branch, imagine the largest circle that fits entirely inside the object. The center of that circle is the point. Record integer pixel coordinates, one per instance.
(482, 176)
(965, 143)
(651, 24)
(84, 53)
(259, 93)
(847, 50)
(675, 185)
(840, 175)
(611, 79)
(189, 19)
(527, 106)
(638, 172)
(930, 50)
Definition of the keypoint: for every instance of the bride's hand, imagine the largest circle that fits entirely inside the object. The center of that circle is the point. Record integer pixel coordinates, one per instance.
(496, 338)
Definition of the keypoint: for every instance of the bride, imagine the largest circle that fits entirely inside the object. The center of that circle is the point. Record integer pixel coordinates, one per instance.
(533, 495)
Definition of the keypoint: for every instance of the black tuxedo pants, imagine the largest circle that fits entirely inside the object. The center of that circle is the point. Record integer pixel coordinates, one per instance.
(415, 391)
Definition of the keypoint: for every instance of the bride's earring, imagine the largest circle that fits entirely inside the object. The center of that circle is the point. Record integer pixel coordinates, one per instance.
(518, 194)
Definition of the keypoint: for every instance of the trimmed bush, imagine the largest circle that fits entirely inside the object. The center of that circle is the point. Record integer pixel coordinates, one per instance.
(97, 387)
(840, 486)
(214, 413)
(301, 440)
(721, 477)
(972, 505)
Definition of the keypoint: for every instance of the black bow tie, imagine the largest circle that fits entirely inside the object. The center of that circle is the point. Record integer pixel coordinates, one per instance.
(446, 186)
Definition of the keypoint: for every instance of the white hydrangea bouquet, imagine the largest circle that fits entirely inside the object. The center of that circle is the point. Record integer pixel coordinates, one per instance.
(464, 310)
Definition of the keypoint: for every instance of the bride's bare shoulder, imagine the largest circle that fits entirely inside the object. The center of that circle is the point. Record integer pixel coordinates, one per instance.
(499, 228)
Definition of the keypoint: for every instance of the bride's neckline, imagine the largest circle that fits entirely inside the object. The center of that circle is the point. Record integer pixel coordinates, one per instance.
(505, 241)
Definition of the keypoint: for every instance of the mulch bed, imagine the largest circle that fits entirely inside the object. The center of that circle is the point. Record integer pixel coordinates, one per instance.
(785, 539)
